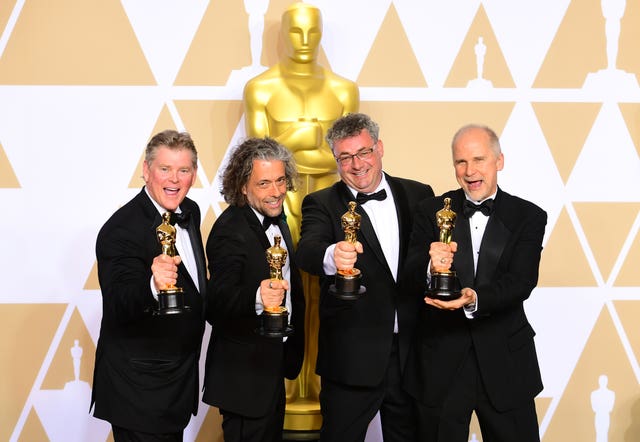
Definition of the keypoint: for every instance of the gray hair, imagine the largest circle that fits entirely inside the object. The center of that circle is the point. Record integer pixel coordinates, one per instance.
(351, 125)
(173, 140)
(494, 141)
(240, 167)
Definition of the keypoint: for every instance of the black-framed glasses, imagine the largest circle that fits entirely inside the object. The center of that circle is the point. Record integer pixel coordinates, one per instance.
(363, 155)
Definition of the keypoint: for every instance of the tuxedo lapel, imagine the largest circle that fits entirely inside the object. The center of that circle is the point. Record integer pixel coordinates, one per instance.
(463, 258)
(494, 240)
(404, 219)
(256, 226)
(196, 246)
(286, 236)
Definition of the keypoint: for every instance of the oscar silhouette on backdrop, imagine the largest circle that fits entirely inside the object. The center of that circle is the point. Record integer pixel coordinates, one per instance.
(255, 9)
(480, 49)
(295, 102)
(602, 401)
(611, 76)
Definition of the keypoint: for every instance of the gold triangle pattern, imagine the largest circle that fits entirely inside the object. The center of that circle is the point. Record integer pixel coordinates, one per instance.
(33, 429)
(199, 117)
(8, 179)
(440, 121)
(471, 64)
(606, 226)
(72, 42)
(563, 262)
(566, 127)
(391, 48)
(75, 343)
(577, 48)
(583, 396)
(20, 320)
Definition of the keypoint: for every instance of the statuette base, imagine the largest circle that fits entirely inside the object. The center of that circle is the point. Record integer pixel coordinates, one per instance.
(444, 286)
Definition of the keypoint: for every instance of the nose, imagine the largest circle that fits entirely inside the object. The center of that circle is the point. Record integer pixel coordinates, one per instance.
(469, 170)
(359, 161)
(276, 190)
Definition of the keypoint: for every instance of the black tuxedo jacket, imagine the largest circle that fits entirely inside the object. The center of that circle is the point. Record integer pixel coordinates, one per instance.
(500, 333)
(146, 368)
(245, 371)
(355, 337)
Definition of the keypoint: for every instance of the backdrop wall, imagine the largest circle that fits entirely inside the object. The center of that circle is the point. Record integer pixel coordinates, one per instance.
(84, 84)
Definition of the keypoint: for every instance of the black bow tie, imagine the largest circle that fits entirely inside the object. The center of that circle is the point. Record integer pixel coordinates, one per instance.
(362, 198)
(470, 208)
(270, 220)
(182, 218)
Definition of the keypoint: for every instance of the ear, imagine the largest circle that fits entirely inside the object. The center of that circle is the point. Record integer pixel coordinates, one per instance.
(145, 171)
(380, 148)
(500, 162)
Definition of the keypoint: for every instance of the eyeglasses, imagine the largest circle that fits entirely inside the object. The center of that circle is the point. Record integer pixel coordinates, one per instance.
(363, 155)
(265, 184)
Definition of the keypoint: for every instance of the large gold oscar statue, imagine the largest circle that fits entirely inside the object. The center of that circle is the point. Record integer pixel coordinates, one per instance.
(295, 102)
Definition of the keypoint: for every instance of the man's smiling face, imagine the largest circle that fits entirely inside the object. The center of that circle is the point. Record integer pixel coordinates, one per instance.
(169, 176)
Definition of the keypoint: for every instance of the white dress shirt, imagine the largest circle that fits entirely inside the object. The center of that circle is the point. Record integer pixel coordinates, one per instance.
(385, 223)
(271, 232)
(183, 246)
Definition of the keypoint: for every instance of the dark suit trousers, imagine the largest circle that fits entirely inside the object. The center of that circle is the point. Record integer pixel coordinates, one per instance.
(268, 428)
(451, 422)
(124, 435)
(348, 410)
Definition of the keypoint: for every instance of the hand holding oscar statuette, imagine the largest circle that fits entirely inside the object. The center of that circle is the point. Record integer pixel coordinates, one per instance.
(444, 284)
(170, 299)
(274, 320)
(348, 281)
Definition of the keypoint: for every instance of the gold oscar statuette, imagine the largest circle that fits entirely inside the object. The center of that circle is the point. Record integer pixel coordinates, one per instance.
(295, 101)
(348, 282)
(274, 320)
(171, 298)
(444, 284)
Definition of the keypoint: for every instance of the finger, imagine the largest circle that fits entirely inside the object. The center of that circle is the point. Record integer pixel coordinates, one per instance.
(345, 246)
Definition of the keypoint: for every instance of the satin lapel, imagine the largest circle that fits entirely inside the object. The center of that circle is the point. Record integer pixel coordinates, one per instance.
(404, 224)
(288, 241)
(286, 236)
(367, 235)
(463, 259)
(196, 246)
(494, 240)
(152, 214)
(255, 226)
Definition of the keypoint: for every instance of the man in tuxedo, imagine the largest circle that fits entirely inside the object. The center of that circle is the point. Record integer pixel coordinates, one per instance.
(477, 352)
(245, 370)
(145, 380)
(362, 343)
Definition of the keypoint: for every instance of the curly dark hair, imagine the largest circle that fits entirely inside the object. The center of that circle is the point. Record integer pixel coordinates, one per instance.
(240, 166)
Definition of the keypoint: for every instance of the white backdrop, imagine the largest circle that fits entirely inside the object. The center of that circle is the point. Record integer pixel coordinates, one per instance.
(83, 86)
